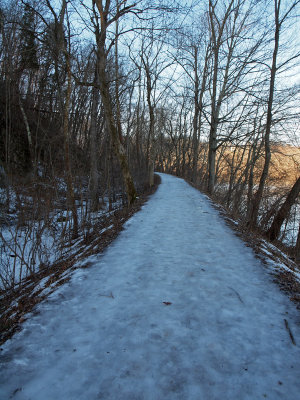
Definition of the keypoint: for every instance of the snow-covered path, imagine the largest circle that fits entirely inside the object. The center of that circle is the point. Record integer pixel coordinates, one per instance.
(222, 337)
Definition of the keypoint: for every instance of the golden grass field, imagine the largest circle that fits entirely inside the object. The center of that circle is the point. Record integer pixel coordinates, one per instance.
(284, 169)
(285, 164)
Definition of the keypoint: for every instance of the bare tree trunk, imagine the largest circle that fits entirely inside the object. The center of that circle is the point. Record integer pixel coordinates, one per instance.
(29, 135)
(118, 106)
(107, 102)
(212, 143)
(150, 138)
(258, 196)
(297, 248)
(195, 141)
(70, 188)
(66, 133)
(283, 212)
(232, 176)
(138, 130)
(198, 105)
(62, 43)
(113, 131)
(93, 184)
(217, 29)
(212, 157)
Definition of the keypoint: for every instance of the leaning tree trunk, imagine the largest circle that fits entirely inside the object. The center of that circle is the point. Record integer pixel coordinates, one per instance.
(283, 213)
(29, 134)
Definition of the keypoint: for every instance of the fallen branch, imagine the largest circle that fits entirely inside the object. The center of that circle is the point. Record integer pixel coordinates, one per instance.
(105, 295)
(236, 294)
(289, 331)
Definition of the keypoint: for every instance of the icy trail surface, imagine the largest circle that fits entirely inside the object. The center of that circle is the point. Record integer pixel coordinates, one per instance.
(176, 308)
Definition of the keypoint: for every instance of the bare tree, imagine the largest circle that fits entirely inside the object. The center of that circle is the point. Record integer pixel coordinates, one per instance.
(279, 20)
(297, 248)
(104, 16)
(283, 212)
(194, 53)
(154, 64)
(63, 46)
(94, 178)
(232, 54)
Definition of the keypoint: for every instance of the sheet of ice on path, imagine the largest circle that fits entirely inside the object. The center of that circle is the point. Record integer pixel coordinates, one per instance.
(107, 333)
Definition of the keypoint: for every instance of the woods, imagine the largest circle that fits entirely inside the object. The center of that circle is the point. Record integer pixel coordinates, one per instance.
(97, 95)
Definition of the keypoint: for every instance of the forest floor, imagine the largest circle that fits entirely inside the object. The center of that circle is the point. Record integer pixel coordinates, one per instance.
(177, 307)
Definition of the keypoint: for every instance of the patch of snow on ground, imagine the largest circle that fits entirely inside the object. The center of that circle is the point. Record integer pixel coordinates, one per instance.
(278, 264)
(106, 229)
(24, 249)
(176, 308)
(40, 285)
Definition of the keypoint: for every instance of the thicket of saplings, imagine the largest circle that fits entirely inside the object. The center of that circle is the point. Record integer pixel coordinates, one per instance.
(37, 225)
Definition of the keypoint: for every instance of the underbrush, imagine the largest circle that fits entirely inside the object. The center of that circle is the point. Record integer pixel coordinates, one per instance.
(37, 226)
(272, 200)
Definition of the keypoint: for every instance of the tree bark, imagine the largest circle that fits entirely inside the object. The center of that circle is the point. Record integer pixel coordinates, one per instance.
(93, 184)
(61, 48)
(196, 116)
(28, 131)
(258, 195)
(198, 105)
(217, 29)
(283, 212)
(297, 248)
(107, 101)
(66, 133)
(113, 131)
(150, 155)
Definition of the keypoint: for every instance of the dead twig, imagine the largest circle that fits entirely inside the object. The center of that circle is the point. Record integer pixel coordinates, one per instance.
(111, 296)
(236, 294)
(290, 332)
